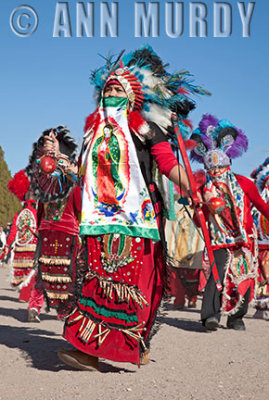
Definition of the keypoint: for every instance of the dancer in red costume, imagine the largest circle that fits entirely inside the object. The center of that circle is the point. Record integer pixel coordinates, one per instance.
(260, 176)
(58, 215)
(122, 239)
(23, 236)
(229, 198)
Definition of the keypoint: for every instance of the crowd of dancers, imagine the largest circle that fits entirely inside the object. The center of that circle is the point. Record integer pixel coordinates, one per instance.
(104, 237)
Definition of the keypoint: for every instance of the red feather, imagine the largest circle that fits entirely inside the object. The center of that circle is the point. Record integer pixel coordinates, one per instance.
(200, 178)
(190, 144)
(188, 123)
(91, 120)
(183, 91)
(19, 185)
(135, 121)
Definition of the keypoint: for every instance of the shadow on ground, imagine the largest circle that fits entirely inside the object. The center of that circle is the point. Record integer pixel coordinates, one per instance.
(184, 324)
(21, 315)
(8, 298)
(39, 348)
(171, 307)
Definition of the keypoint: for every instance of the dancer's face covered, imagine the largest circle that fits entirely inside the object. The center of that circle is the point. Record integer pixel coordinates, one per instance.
(114, 90)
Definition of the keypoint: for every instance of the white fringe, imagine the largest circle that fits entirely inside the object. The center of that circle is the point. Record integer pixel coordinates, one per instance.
(27, 280)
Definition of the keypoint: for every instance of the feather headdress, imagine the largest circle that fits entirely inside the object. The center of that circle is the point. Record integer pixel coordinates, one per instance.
(54, 186)
(261, 174)
(218, 141)
(154, 92)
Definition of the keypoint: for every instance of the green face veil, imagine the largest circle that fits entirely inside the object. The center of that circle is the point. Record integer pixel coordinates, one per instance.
(119, 102)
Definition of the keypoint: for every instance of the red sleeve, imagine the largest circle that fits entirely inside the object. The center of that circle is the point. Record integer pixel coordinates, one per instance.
(13, 231)
(164, 157)
(253, 194)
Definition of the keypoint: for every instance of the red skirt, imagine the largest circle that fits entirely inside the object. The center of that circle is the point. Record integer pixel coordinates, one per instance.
(119, 299)
(23, 263)
(57, 268)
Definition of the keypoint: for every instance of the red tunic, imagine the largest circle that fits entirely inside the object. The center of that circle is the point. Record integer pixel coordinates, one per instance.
(58, 240)
(251, 197)
(69, 213)
(23, 236)
(116, 310)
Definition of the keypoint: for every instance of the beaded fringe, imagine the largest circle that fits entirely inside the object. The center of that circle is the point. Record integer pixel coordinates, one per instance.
(56, 278)
(87, 327)
(23, 264)
(21, 249)
(17, 281)
(54, 260)
(61, 296)
(123, 291)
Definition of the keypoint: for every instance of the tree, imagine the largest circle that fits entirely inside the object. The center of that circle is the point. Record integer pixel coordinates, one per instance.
(9, 204)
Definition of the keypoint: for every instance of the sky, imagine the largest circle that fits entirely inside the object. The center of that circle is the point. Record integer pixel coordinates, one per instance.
(45, 79)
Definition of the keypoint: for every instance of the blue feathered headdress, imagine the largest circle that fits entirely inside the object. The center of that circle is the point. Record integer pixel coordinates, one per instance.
(156, 93)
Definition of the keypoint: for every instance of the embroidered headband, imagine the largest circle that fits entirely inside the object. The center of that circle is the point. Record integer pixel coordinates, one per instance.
(130, 84)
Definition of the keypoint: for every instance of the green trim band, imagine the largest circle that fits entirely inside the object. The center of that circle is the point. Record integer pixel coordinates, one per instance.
(151, 233)
(120, 315)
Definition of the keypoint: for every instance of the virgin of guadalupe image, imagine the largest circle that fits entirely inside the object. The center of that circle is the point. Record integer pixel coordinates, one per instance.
(108, 189)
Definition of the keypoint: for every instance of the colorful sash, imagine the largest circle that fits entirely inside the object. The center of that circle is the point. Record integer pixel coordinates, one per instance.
(115, 198)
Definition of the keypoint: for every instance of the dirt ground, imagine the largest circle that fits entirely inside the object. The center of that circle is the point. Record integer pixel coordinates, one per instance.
(187, 362)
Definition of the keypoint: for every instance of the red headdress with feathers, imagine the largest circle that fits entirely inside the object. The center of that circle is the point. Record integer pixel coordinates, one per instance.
(130, 84)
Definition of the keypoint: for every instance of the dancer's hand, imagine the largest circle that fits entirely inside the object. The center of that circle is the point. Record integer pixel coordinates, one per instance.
(196, 204)
(51, 144)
